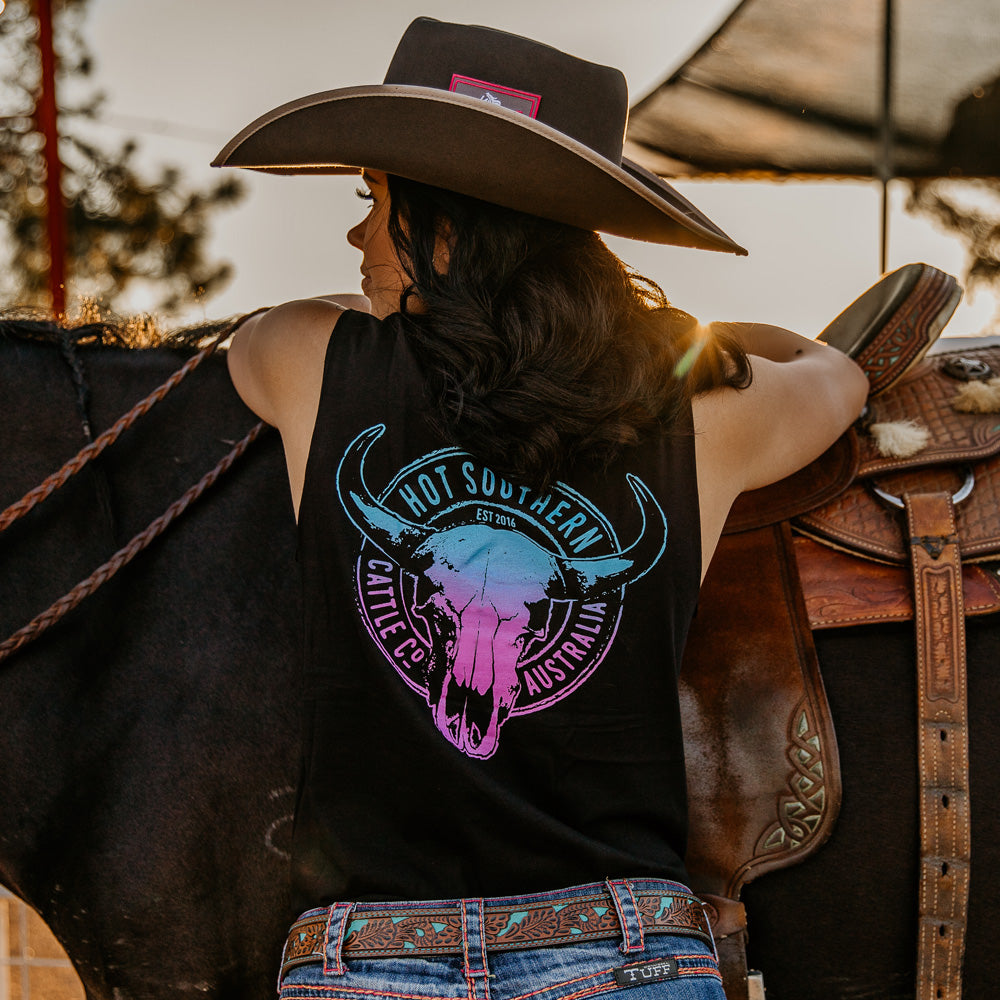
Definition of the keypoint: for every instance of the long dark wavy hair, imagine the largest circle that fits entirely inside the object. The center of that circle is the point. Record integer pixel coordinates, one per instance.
(540, 346)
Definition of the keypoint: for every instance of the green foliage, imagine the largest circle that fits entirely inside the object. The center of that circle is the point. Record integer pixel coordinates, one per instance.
(122, 226)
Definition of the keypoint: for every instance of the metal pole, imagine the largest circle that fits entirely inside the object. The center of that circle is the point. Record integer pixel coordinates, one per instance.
(885, 133)
(46, 118)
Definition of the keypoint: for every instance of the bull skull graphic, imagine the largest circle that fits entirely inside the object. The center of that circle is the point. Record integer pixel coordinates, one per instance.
(486, 595)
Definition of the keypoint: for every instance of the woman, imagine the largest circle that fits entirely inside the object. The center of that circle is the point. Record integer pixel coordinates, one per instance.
(509, 477)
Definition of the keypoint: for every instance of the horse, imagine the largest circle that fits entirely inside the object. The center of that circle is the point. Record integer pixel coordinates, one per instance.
(151, 738)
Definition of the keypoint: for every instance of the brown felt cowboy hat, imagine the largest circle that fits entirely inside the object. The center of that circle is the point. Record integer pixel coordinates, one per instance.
(491, 115)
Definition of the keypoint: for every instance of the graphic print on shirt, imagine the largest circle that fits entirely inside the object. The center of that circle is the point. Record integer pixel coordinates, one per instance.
(489, 599)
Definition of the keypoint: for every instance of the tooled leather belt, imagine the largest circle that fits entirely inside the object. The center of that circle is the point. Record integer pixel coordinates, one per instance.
(387, 931)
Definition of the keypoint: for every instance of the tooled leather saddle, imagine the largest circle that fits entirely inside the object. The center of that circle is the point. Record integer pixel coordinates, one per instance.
(859, 536)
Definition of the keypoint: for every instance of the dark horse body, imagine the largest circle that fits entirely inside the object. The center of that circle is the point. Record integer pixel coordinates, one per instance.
(150, 740)
(843, 924)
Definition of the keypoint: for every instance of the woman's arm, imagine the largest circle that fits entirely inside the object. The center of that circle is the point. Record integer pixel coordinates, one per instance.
(276, 363)
(803, 396)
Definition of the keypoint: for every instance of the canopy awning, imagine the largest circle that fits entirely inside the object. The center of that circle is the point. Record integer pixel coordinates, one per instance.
(795, 87)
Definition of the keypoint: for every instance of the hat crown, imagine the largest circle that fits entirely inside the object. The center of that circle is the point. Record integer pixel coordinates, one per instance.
(581, 99)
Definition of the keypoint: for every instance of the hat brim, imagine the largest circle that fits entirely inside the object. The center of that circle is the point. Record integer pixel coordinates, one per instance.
(466, 145)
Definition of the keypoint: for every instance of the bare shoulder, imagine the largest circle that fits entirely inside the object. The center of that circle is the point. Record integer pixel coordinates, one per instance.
(276, 362)
(276, 358)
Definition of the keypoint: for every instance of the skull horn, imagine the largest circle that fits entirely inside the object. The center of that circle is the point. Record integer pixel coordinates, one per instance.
(588, 578)
(394, 535)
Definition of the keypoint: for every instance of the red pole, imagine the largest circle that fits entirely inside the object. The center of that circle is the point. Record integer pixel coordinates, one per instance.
(48, 125)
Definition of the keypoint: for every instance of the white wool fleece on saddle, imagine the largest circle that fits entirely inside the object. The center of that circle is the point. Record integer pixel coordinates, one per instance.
(899, 438)
(978, 397)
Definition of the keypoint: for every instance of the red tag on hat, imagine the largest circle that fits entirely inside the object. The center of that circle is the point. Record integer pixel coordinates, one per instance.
(495, 93)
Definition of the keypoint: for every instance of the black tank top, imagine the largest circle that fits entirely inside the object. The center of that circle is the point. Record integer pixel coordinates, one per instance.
(490, 671)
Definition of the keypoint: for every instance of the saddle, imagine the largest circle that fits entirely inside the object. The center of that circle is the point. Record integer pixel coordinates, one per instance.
(875, 530)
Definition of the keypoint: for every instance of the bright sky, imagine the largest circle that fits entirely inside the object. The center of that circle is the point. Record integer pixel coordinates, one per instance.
(184, 76)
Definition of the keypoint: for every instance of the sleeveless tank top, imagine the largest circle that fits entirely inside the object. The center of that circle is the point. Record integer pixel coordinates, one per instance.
(490, 672)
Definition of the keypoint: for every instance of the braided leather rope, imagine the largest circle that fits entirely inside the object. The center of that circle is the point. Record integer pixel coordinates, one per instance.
(127, 553)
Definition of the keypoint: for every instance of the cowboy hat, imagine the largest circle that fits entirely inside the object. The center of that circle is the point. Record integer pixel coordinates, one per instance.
(492, 115)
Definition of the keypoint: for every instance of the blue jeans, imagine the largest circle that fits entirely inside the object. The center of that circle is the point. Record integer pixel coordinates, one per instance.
(656, 966)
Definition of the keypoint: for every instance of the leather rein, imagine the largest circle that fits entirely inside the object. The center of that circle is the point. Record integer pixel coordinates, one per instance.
(128, 552)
